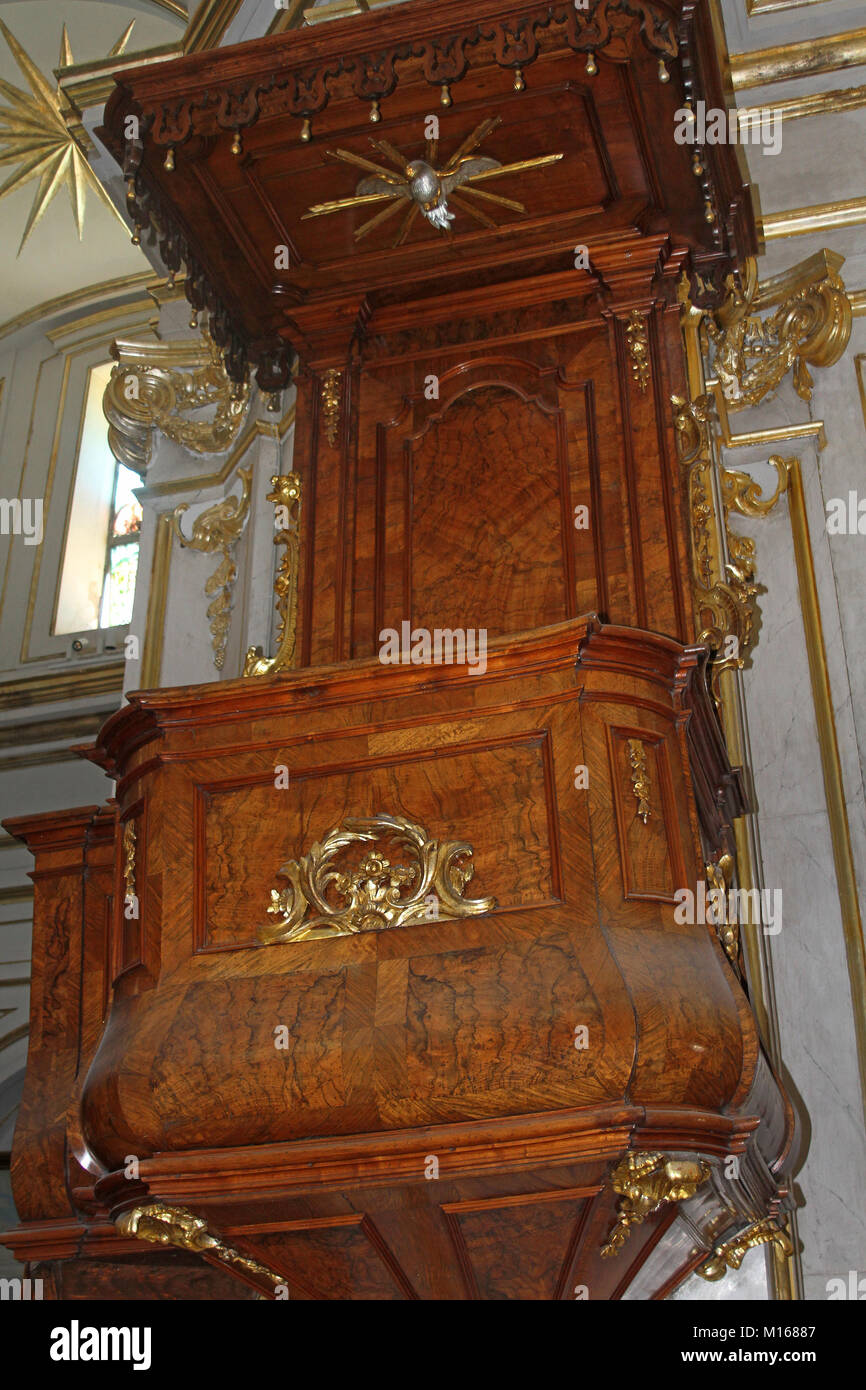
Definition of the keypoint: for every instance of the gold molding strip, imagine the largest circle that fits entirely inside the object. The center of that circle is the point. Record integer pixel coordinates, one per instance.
(860, 369)
(96, 293)
(858, 303)
(814, 104)
(802, 59)
(773, 6)
(831, 766)
(821, 217)
(208, 24)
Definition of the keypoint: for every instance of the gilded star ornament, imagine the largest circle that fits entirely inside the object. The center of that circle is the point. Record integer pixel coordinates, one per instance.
(41, 133)
(426, 186)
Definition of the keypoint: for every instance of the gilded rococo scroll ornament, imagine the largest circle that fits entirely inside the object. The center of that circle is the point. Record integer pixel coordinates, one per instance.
(165, 1225)
(645, 1182)
(216, 531)
(731, 1254)
(286, 496)
(723, 605)
(375, 893)
(753, 350)
(639, 778)
(167, 386)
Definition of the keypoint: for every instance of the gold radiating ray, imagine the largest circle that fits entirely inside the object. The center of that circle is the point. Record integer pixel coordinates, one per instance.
(493, 198)
(473, 212)
(381, 216)
(35, 136)
(406, 224)
(393, 154)
(348, 158)
(356, 201)
(472, 141)
(514, 168)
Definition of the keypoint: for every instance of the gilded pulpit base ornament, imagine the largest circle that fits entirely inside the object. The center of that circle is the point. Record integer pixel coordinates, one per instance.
(376, 894)
(164, 1225)
(645, 1182)
(733, 1252)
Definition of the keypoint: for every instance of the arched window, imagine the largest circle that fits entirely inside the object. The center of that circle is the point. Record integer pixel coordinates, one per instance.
(100, 554)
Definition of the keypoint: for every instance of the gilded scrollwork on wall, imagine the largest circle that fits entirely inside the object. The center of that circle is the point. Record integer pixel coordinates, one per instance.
(216, 531)
(166, 386)
(286, 496)
(764, 330)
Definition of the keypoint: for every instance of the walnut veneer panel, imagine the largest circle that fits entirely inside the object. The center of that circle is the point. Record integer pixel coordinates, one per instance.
(509, 819)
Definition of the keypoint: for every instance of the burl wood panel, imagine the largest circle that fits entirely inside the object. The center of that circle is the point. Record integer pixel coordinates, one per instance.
(511, 820)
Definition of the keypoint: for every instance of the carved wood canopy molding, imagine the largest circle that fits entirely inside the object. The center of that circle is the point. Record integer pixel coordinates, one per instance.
(170, 125)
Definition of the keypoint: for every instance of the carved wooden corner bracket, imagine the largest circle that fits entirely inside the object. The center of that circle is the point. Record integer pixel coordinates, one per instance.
(377, 894)
(166, 1225)
(645, 1182)
(216, 531)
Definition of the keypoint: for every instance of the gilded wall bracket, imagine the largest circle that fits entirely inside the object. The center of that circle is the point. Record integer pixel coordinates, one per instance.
(370, 892)
(166, 1225)
(166, 386)
(763, 330)
(645, 1182)
(216, 532)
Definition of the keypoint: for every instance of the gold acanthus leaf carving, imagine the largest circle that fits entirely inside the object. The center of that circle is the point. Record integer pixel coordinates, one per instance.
(165, 386)
(376, 893)
(286, 496)
(216, 531)
(128, 846)
(719, 877)
(166, 1225)
(731, 1254)
(645, 1182)
(332, 385)
(637, 345)
(810, 322)
(639, 778)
